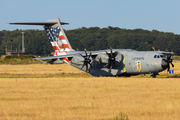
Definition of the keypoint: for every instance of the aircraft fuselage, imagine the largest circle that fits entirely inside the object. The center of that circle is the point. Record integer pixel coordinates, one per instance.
(127, 62)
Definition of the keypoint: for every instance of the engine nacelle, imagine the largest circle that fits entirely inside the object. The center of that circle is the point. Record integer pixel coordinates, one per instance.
(102, 58)
(77, 60)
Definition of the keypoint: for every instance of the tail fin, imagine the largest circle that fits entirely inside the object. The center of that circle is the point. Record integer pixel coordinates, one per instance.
(57, 37)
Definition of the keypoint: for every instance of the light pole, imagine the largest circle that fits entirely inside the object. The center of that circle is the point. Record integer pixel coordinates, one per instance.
(23, 42)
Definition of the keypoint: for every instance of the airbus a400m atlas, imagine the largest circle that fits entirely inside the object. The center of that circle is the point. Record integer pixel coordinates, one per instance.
(110, 62)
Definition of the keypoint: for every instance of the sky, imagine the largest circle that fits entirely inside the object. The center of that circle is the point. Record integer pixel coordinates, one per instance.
(161, 15)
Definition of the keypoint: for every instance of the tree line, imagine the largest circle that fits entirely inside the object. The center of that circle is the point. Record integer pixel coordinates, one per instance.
(93, 38)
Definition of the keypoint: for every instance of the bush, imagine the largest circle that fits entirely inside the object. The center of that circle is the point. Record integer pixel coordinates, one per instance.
(120, 117)
(19, 57)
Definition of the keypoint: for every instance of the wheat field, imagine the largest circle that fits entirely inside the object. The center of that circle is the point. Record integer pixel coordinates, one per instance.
(85, 97)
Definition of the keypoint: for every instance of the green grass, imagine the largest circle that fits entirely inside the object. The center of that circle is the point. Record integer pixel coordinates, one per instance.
(121, 116)
(46, 75)
(28, 59)
(158, 76)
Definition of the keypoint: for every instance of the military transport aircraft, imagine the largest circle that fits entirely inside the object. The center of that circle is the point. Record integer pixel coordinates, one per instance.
(110, 62)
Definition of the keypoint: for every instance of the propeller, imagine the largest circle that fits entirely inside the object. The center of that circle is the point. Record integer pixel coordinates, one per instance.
(111, 59)
(170, 61)
(87, 60)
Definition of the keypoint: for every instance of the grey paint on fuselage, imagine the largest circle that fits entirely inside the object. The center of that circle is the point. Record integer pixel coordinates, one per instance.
(147, 60)
(148, 64)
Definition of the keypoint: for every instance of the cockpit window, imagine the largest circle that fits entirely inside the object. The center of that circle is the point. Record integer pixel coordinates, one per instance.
(162, 56)
(159, 56)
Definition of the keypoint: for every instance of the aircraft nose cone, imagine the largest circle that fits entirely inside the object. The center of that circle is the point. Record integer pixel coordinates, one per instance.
(164, 64)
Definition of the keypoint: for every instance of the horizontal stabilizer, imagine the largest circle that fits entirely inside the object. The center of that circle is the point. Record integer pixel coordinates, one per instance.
(39, 23)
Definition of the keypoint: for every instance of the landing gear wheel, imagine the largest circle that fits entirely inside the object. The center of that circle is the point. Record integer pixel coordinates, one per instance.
(153, 75)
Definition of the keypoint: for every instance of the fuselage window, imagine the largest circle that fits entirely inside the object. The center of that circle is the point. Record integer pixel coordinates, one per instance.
(154, 56)
(158, 56)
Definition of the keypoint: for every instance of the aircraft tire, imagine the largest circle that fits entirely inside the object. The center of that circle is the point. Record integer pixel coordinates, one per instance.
(153, 75)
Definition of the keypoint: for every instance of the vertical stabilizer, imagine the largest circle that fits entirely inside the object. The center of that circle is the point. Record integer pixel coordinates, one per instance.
(58, 37)
(55, 34)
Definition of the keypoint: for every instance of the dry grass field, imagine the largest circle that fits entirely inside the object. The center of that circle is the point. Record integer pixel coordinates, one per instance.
(90, 98)
(40, 70)
(60, 70)
(78, 96)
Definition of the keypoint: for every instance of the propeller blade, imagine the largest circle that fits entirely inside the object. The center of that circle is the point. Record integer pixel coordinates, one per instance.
(81, 55)
(107, 54)
(169, 56)
(168, 68)
(172, 64)
(90, 54)
(170, 61)
(111, 59)
(83, 66)
(114, 64)
(111, 52)
(86, 67)
(105, 65)
(91, 66)
(86, 60)
(115, 54)
(85, 52)
(110, 66)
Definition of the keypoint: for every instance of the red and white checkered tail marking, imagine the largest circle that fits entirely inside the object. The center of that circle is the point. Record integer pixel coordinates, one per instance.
(55, 47)
(65, 60)
(58, 37)
(62, 42)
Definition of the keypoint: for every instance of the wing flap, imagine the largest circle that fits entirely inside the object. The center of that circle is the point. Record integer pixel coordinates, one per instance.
(53, 57)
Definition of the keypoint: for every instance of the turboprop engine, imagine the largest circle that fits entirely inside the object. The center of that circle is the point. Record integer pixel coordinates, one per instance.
(85, 59)
(108, 58)
(102, 58)
(77, 60)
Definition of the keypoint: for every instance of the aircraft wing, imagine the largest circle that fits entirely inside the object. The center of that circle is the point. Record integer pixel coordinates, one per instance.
(65, 56)
(164, 52)
(53, 57)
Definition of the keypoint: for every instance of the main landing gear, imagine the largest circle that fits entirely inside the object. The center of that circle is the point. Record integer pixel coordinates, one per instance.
(153, 75)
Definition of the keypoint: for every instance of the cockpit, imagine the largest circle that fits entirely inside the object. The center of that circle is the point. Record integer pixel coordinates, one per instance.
(159, 56)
